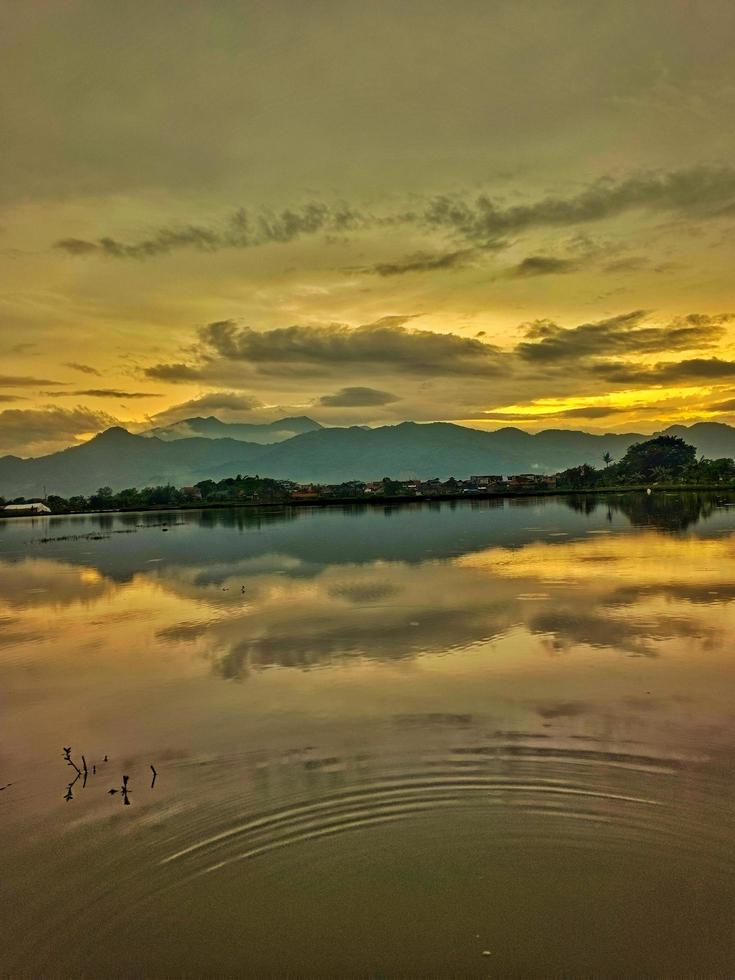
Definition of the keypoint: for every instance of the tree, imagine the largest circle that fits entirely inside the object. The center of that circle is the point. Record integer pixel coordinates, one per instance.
(646, 460)
(578, 477)
(606, 459)
(102, 498)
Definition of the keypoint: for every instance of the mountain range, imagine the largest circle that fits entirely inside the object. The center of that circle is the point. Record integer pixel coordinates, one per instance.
(119, 459)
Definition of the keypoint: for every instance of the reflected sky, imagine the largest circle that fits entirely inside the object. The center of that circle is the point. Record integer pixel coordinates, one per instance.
(572, 654)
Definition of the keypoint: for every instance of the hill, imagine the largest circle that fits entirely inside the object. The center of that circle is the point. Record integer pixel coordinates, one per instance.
(118, 459)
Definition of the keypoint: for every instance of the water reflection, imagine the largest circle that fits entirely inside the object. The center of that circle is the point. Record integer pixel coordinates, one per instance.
(390, 740)
(662, 511)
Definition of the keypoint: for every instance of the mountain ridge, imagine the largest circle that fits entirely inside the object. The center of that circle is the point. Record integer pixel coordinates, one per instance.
(210, 427)
(120, 459)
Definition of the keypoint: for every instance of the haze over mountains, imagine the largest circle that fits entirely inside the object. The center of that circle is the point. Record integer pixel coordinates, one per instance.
(119, 459)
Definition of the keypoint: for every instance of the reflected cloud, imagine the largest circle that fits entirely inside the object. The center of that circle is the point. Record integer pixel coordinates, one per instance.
(267, 597)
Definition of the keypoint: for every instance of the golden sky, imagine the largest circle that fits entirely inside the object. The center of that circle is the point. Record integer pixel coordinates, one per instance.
(489, 212)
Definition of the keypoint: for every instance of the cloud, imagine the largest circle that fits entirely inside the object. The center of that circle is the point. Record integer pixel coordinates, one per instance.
(355, 397)
(589, 412)
(11, 398)
(173, 372)
(21, 381)
(110, 393)
(242, 230)
(726, 406)
(623, 334)
(37, 431)
(76, 246)
(542, 265)
(387, 342)
(702, 192)
(666, 372)
(217, 402)
(84, 368)
(635, 263)
(423, 262)
(705, 192)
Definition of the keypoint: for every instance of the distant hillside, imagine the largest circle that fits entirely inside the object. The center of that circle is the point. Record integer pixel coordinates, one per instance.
(427, 450)
(118, 459)
(712, 439)
(212, 428)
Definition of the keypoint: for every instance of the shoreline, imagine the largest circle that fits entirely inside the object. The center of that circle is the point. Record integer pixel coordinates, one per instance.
(384, 500)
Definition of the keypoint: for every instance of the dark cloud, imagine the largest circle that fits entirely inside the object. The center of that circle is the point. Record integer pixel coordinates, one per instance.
(387, 342)
(217, 401)
(590, 412)
(11, 398)
(624, 334)
(242, 230)
(173, 372)
(354, 397)
(726, 406)
(701, 191)
(84, 368)
(423, 262)
(43, 430)
(76, 246)
(116, 393)
(666, 372)
(542, 265)
(21, 381)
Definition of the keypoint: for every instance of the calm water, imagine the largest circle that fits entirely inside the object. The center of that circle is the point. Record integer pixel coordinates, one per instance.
(471, 740)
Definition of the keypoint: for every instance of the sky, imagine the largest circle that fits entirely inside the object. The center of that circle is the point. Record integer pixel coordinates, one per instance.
(493, 213)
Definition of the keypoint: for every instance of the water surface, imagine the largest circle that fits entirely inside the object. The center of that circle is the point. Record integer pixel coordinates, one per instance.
(484, 738)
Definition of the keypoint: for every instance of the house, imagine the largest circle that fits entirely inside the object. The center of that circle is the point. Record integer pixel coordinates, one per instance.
(193, 493)
(30, 509)
(485, 481)
(526, 481)
(307, 491)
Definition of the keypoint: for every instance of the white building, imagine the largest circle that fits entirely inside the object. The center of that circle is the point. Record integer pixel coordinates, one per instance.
(29, 509)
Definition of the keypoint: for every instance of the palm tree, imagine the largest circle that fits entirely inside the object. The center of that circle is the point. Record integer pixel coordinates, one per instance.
(607, 459)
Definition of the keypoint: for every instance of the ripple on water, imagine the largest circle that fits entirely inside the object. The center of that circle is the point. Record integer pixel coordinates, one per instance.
(440, 804)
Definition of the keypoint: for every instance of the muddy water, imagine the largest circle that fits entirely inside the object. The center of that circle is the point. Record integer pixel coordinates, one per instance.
(471, 740)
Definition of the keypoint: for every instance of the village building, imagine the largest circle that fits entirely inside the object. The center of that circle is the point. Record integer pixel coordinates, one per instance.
(30, 509)
(486, 481)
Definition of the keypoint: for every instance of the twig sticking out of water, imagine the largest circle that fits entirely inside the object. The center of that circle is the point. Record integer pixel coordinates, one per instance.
(155, 774)
(123, 789)
(69, 795)
(71, 762)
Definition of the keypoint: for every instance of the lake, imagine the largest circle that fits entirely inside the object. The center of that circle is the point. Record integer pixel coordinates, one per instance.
(490, 738)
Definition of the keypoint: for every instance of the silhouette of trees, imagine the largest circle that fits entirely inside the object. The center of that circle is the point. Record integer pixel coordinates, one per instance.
(661, 458)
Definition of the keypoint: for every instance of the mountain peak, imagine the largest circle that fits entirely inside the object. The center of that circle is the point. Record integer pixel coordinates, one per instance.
(116, 433)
